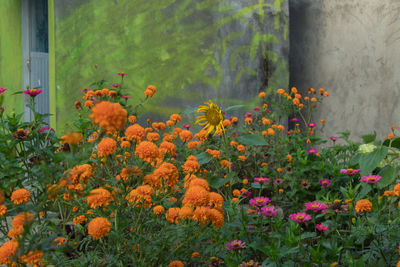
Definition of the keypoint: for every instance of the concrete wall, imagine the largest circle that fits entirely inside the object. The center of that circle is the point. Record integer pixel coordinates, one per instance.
(11, 53)
(352, 49)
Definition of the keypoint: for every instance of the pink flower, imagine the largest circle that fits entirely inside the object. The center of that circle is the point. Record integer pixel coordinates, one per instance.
(115, 85)
(371, 179)
(259, 201)
(300, 217)
(295, 119)
(45, 129)
(261, 180)
(248, 115)
(2, 90)
(32, 92)
(187, 126)
(312, 151)
(122, 74)
(325, 182)
(125, 97)
(315, 206)
(256, 109)
(321, 227)
(268, 211)
(235, 245)
(333, 138)
(312, 124)
(350, 171)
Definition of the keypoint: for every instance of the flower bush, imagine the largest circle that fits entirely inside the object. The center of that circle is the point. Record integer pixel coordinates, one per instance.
(262, 190)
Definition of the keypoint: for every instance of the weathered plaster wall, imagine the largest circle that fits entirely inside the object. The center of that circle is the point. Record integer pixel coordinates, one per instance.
(11, 53)
(352, 49)
(191, 50)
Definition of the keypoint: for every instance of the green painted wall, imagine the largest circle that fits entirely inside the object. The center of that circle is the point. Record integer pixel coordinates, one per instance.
(191, 50)
(11, 53)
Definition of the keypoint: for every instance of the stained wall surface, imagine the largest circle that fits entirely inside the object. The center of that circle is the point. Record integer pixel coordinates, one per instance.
(191, 50)
(11, 53)
(352, 49)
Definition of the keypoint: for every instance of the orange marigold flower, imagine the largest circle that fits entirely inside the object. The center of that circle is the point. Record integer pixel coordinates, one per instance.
(8, 250)
(106, 147)
(280, 91)
(363, 205)
(99, 227)
(293, 90)
(227, 123)
(150, 91)
(241, 148)
(388, 193)
(186, 212)
(396, 189)
(270, 132)
(265, 121)
(200, 215)
(296, 101)
(195, 255)
(158, 209)
(109, 116)
(390, 136)
(167, 173)
(215, 200)
(248, 120)
(313, 99)
(225, 163)
(170, 123)
(3, 210)
(281, 127)
(20, 196)
(60, 241)
(242, 158)
(20, 219)
(214, 153)
(89, 104)
(191, 165)
(216, 217)
(233, 143)
(141, 195)
(125, 144)
(326, 94)
(153, 137)
(175, 118)
(185, 135)
(148, 151)
(172, 215)
(72, 138)
(289, 158)
(195, 181)
(80, 173)
(236, 193)
(262, 94)
(132, 119)
(135, 132)
(194, 144)
(99, 197)
(168, 148)
(79, 219)
(202, 135)
(176, 264)
(196, 196)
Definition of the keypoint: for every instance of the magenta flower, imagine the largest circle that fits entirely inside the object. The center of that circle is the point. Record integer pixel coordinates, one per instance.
(300, 217)
(261, 180)
(315, 206)
(115, 85)
(46, 129)
(235, 245)
(325, 182)
(248, 115)
(259, 201)
(246, 194)
(333, 138)
(32, 92)
(312, 151)
(125, 97)
(122, 74)
(321, 227)
(370, 179)
(312, 124)
(2, 90)
(85, 90)
(295, 119)
(268, 211)
(350, 171)
(256, 109)
(187, 126)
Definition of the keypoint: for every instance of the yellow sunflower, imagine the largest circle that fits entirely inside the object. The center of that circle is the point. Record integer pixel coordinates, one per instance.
(210, 117)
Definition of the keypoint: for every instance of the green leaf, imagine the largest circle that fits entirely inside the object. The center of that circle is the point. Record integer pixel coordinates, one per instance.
(216, 182)
(203, 158)
(369, 162)
(234, 107)
(389, 175)
(252, 139)
(369, 138)
(365, 189)
(308, 235)
(395, 143)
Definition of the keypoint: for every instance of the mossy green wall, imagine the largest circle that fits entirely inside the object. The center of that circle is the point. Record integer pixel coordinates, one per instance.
(11, 53)
(191, 50)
